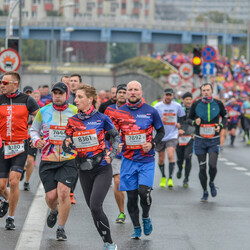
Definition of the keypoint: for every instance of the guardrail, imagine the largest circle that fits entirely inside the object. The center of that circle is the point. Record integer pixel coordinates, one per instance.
(136, 24)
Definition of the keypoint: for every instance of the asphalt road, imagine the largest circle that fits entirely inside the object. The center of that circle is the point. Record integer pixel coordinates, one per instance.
(180, 220)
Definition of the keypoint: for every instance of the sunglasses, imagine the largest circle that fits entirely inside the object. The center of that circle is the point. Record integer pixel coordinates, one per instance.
(7, 82)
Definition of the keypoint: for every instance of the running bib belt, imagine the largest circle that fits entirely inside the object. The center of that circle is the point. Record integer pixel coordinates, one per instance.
(184, 140)
(86, 141)
(12, 149)
(171, 118)
(134, 139)
(57, 134)
(207, 130)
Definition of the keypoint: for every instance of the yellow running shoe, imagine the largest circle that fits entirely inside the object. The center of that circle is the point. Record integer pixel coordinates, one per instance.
(170, 183)
(163, 182)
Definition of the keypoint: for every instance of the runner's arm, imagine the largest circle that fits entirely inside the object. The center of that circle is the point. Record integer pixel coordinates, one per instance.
(36, 128)
(115, 140)
(158, 137)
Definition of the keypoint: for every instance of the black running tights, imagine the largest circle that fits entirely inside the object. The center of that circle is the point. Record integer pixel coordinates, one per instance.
(95, 185)
(145, 202)
(202, 159)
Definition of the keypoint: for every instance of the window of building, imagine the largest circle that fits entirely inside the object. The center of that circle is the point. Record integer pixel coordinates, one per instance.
(123, 5)
(34, 14)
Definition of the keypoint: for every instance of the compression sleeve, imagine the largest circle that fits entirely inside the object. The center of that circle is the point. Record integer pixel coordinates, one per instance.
(160, 133)
(115, 140)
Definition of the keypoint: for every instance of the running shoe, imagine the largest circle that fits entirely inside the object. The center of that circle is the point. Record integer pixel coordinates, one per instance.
(163, 182)
(52, 218)
(72, 198)
(178, 174)
(10, 224)
(109, 246)
(137, 233)
(60, 234)
(212, 189)
(3, 208)
(170, 183)
(26, 186)
(185, 183)
(121, 218)
(205, 196)
(147, 226)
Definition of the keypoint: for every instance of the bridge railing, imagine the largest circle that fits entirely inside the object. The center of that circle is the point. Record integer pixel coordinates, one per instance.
(137, 24)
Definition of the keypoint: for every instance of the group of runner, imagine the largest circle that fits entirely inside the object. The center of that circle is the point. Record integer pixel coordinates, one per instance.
(76, 139)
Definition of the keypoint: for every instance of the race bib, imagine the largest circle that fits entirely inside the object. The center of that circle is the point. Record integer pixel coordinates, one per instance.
(184, 140)
(57, 134)
(170, 118)
(134, 139)
(12, 149)
(248, 111)
(233, 113)
(207, 130)
(86, 141)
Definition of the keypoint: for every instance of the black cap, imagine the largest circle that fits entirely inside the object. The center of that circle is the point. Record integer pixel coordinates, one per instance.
(187, 94)
(60, 86)
(27, 89)
(121, 86)
(169, 91)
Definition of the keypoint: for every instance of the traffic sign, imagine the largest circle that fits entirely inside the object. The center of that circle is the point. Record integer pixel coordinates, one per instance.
(186, 70)
(208, 53)
(9, 60)
(174, 79)
(208, 68)
(186, 86)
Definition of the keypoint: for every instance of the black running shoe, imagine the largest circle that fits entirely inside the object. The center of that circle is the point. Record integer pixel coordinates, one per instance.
(26, 186)
(3, 208)
(60, 234)
(52, 218)
(178, 174)
(10, 224)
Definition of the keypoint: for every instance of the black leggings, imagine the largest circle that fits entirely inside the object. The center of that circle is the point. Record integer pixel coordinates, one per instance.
(145, 201)
(202, 159)
(185, 153)
(95, 185)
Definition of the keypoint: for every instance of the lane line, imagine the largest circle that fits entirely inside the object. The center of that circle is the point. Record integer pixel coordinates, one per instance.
(247, 173)
(230, 163)
(240, 168)
(222, 159)
(32, 232)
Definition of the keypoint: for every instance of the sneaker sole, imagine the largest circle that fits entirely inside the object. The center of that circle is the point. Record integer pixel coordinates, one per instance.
(61, 239)
(135, 238)
(10, 228)
(120, 222)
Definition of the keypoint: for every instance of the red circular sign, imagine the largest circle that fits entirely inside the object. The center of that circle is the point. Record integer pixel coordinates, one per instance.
(9, 60)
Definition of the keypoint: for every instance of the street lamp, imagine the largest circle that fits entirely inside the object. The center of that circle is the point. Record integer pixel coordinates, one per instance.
(53, 47)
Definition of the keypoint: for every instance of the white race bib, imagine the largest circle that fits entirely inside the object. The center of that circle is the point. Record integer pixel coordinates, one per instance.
(170, 118)
(207, 130)
(233, 113)
(134, 139)
(184, 140)
(86, 141)
(12, 149)
(248, 111)
(57, 134)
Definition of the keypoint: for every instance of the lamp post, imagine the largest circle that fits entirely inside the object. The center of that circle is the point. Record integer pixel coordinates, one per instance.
(53, 45)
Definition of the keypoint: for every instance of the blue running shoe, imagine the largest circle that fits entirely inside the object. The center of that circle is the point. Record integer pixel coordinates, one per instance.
(205, 196)
(147, 226)
(212, 189)
(137, 233)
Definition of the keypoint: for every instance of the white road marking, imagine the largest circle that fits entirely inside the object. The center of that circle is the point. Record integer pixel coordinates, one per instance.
(240, 168)
(222, 159)
(230, 163)
(247, 173)
(32, 232)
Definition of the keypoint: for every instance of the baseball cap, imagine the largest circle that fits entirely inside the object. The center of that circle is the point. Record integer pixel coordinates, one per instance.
(169, 91)
(187, 94)
(27, 89)
(60, 86)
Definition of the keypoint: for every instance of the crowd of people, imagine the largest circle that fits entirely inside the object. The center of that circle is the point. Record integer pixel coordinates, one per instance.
(111, 135)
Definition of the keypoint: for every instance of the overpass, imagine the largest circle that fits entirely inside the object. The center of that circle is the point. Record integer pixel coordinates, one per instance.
(117, 30)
